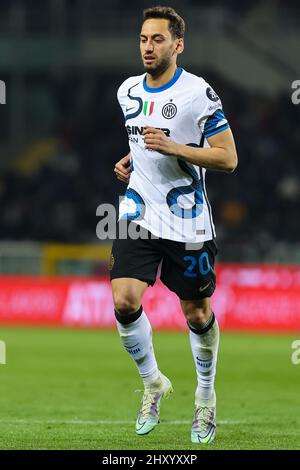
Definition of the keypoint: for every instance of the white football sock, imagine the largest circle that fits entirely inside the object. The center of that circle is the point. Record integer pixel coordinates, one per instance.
(137, 340)
(205, 351)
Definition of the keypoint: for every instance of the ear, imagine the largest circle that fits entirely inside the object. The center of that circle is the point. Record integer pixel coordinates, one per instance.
(179, 46)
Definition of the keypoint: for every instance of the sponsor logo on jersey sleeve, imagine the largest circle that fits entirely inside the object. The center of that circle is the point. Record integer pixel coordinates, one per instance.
(211, 94)
(213, 107)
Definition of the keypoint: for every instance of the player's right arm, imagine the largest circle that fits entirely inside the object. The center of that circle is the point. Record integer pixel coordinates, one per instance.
(122, 169)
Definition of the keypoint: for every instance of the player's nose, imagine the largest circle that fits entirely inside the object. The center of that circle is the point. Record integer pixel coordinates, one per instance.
(149, 47)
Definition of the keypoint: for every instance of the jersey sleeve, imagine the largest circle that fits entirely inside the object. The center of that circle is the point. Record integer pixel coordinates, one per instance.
(207, 111)
(121, 95)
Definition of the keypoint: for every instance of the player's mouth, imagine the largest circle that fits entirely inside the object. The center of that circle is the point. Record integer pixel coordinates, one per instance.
(149, 59)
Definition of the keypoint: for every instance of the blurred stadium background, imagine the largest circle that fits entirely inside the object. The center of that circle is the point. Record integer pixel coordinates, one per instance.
(61, 132)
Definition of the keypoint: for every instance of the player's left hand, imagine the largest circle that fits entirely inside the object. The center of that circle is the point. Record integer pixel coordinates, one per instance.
(156, 139)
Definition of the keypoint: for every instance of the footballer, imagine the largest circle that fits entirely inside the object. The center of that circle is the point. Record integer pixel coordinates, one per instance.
(176, 131)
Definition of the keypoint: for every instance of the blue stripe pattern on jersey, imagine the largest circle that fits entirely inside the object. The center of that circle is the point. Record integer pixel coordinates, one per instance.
(195, 187)
(211, 125)
(140, 206)
(217, 130)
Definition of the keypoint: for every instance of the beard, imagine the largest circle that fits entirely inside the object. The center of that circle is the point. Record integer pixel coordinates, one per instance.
(158, 69)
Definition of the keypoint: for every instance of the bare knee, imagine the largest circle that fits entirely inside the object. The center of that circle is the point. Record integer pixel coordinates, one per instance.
(127, 295)
(126, 302)
(196, 311)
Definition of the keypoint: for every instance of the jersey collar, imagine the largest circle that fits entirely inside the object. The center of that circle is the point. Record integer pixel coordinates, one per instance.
(164, 87)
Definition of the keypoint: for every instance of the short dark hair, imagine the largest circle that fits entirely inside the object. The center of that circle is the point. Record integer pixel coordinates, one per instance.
(176, 23)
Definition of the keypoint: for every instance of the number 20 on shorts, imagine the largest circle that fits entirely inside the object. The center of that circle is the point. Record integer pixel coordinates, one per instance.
(202, 263)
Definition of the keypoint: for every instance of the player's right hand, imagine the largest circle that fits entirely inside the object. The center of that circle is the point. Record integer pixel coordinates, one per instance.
(122, 169)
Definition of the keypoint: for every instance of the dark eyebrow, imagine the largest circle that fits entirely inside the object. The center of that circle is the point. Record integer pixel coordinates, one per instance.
(154, 36)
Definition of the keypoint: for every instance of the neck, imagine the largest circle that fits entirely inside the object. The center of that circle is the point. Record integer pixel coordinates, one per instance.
(165, 77)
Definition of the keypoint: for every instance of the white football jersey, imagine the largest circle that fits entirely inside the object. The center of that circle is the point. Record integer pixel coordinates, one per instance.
(167, 195)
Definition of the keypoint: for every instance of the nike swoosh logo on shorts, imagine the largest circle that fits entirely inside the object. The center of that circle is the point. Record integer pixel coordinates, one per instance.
(204, 287)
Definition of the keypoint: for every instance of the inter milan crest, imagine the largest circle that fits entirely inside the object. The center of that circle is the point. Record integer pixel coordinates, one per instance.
(169, 110)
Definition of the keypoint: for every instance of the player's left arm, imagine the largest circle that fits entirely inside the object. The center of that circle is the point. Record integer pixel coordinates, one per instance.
(221, 155)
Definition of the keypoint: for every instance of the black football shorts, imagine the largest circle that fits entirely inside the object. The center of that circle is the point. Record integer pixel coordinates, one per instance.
(187, 272)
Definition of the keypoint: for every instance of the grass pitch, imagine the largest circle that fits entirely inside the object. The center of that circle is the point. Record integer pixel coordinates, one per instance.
(75, 389)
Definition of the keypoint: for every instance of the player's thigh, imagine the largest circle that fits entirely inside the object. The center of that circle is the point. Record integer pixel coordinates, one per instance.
(127, 294)
(189, 272)
(135, 258)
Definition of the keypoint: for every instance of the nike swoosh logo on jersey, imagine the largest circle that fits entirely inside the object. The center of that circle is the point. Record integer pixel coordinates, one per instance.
(204, 287)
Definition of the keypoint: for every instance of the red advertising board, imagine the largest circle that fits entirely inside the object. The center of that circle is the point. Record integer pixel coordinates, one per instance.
(248, 297)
